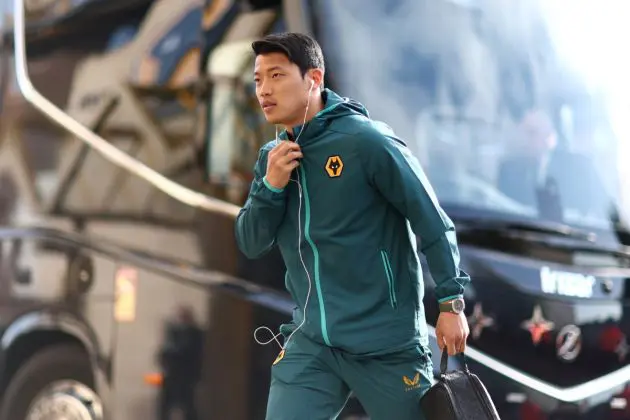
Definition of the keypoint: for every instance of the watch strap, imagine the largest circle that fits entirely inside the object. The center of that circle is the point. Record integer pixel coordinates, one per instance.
(446, 306)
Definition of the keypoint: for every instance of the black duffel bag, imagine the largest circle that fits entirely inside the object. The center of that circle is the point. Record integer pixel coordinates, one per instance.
(457, 395)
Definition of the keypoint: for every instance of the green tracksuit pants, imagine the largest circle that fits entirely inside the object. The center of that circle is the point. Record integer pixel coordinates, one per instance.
(310, 381)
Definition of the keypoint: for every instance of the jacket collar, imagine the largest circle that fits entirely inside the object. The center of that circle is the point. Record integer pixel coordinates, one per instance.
(334, 107)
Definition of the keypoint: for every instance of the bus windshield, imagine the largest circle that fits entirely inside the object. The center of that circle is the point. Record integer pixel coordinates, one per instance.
(512, 107)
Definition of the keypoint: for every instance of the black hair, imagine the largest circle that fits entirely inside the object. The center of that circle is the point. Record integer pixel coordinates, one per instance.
(300, 49)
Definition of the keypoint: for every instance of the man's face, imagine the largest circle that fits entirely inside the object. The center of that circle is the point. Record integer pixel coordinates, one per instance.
(539, 133)
(280, 88)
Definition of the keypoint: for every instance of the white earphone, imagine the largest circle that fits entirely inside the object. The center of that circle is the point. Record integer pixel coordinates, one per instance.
(308, 275)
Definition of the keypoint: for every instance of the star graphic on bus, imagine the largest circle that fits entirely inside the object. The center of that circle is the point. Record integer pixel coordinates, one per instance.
(478, 321)
(622, 349)
(613, 340)
(537, 325)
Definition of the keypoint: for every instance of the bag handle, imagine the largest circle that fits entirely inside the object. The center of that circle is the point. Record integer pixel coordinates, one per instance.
(444, 361)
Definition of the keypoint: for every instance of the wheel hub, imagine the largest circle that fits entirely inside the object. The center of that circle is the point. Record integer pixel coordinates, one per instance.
(66, 400)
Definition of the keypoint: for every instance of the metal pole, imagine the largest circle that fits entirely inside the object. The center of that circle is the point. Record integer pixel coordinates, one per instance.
(109, 152)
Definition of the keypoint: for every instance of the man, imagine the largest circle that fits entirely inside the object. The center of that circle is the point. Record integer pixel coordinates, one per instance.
(335, 193)
(180, 357)
(550, 177)
(526, 172)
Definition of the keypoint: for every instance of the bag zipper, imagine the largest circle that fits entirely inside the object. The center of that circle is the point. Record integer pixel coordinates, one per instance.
(453, 402)
(482, 399)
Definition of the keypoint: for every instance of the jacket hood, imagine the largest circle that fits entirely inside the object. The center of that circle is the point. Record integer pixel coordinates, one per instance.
(335, 106)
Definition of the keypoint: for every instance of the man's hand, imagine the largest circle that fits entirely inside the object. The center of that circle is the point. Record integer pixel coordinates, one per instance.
(281, 160)
(452, 331)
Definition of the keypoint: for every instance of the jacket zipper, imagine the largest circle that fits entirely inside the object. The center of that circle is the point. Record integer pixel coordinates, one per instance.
(307, 236)
(390, 279)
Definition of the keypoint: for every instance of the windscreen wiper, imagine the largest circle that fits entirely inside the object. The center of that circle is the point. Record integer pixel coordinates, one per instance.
(551, 228)
(623, 234)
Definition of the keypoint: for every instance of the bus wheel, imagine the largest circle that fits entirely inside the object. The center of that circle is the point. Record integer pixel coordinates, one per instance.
(54, 383)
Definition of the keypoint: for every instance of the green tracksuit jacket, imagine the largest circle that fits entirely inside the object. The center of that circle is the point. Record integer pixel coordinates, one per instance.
(363, 196)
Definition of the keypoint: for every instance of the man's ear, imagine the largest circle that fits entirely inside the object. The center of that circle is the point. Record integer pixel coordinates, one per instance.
(317, 76)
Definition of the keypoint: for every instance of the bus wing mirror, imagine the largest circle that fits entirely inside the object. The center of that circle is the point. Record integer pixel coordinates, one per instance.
(226, 68)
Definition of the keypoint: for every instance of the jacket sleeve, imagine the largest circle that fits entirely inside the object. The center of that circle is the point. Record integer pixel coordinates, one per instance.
(258, 221)
(396, 173)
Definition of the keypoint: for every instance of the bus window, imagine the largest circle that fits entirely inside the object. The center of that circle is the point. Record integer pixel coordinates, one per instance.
(512, 110)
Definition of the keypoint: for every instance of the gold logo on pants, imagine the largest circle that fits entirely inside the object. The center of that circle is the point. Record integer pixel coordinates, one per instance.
(412, 383)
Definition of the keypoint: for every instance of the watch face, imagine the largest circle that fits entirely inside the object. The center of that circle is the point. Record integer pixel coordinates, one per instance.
(458, 305)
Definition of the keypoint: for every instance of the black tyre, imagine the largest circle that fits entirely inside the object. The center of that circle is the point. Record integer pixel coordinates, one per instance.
(56, 378)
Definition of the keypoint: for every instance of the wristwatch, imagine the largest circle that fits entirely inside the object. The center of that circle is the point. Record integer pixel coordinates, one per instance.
(454, 306)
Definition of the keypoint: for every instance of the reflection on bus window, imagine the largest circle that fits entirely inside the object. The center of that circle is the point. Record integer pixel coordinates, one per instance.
(492, 99)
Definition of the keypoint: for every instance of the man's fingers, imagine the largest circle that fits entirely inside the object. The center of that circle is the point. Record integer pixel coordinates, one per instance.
(464, 339)
(280, 146)
(454, 345)
(290, 157)
(440, 340)
(448, 344)
(284, 147)
(285, 155)
(293, 145)
(452, 348)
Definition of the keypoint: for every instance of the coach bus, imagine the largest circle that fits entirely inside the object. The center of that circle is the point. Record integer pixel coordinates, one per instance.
(128, 135)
